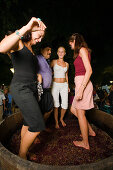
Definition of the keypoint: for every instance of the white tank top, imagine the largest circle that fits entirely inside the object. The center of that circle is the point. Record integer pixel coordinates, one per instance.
(59, 71)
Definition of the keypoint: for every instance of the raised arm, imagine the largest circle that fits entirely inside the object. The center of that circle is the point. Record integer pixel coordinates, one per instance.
(12, 41)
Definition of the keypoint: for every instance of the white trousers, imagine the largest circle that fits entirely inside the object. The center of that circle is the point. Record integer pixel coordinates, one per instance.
(62, 89)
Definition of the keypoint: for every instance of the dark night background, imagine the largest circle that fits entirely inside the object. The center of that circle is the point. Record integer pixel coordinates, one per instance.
(93, 19)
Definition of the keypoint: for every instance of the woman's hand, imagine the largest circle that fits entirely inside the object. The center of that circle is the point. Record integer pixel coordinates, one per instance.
(11, 42)
(35, 22)
(79, 95)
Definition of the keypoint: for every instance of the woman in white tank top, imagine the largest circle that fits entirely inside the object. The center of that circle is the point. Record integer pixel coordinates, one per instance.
(60, 85)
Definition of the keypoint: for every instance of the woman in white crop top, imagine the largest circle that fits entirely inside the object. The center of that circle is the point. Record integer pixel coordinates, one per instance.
(60, 85)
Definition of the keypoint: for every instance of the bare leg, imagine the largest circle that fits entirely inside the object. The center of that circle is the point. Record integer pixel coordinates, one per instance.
(74, 111)
(63, 111)
(47, 114)
(26, 142)
(23, 130)
(90, 130)
(37, 140)
(56, 117)
(84, 130)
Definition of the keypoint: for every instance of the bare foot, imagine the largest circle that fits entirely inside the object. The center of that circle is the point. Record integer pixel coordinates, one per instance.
(36, 141)
(22, 156)
(90, 134)
(81, 144)
(57, 126)
(32, 156)
(63, 123)
(48, 130)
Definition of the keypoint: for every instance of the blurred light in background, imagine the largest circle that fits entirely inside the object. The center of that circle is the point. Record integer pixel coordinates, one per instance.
(12, 70)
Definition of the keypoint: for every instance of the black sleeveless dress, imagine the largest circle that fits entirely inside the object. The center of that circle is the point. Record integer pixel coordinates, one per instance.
(24, 88)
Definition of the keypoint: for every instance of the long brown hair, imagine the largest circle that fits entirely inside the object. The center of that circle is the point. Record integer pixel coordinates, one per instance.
(79, 43)
(27, 37)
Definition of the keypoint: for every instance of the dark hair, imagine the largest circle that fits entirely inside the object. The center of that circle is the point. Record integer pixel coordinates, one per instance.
(9, 32)
(27, 37)
(79, 43)
(45, 45)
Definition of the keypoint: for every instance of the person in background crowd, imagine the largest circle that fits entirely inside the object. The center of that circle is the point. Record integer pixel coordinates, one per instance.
(5, 110)
(24, 83)
(2, 104)
(110, 98)
(100, 94)
(2, 88)
(9, 103)
(46, 102)
(83, 99)
(60, 85)
(95, 98)
(105, 87)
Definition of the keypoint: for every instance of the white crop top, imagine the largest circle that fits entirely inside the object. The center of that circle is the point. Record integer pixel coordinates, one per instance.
(59, 71)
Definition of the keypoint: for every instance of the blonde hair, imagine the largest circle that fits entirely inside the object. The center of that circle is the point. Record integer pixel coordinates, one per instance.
(61, 47)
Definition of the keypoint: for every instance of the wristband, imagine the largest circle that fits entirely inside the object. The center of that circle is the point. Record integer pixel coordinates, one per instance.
(17, 33)
(39, 19)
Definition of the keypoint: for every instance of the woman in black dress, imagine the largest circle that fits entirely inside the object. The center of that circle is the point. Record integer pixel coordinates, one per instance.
(24, 82)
